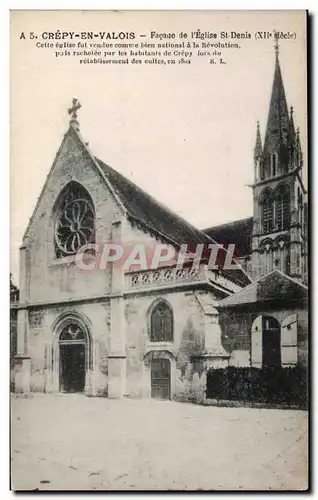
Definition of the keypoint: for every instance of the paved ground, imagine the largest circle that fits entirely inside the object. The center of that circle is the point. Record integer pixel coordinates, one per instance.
(74, 442)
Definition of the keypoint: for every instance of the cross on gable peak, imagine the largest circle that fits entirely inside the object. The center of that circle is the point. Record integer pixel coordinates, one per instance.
(76, 105)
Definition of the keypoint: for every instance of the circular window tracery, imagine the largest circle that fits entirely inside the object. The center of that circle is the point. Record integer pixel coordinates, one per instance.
(75, 222)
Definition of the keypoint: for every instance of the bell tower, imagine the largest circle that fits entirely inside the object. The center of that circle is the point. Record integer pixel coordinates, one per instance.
(279, 196)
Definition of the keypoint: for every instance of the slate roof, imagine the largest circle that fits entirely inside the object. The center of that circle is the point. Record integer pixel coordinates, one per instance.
(147, 211)
(278, 118)
(238, 232)
(144, 208)
(273, 287)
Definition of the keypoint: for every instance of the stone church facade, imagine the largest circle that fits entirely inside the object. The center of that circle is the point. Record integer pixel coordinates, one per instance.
(125, 332)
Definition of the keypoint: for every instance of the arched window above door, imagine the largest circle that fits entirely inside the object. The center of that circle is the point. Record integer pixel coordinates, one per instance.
(161, 322)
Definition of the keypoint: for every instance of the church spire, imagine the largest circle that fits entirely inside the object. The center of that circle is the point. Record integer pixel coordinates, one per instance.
(278, 118)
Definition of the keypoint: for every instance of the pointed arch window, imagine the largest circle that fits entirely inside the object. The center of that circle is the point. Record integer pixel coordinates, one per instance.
(266, 167)
(267, 210)
(282, 210)
(281, 254)
(74, 220)
(274, 164)
(267, 252)
(261, 170)
(161, 323)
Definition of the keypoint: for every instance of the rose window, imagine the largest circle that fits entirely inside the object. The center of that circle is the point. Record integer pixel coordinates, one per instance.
(75, 222)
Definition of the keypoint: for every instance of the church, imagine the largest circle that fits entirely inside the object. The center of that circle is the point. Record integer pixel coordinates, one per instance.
(141, 333)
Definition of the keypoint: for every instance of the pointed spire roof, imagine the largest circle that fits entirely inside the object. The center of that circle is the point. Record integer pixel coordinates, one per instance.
(278, 118)
(258, 143)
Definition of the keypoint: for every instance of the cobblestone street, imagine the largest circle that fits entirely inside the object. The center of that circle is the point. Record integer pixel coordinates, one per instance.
(74, 442)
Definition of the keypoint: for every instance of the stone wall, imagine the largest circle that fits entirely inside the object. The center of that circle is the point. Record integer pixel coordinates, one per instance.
(41, 336)
(51, 279)
(188, 341)
(237, 325)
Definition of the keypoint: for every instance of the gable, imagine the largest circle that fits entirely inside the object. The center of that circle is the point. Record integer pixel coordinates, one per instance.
(278, 285)
(51, 276)
(274, 287)
(73, 161)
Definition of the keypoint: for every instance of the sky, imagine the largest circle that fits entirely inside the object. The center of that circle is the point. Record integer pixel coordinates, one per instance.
(184, 133)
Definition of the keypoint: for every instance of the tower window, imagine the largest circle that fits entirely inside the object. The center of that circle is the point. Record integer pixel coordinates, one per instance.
(282, 254)
(267, 167)
(274, 164)
(267, 253)
(282, 210)
(261, 170)
(267, 211)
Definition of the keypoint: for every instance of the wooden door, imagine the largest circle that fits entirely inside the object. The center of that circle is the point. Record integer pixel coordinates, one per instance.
(271, 342)
(72, 359)
(160, 379)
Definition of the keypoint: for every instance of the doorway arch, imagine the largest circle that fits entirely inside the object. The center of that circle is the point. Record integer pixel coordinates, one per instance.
(72, 353)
